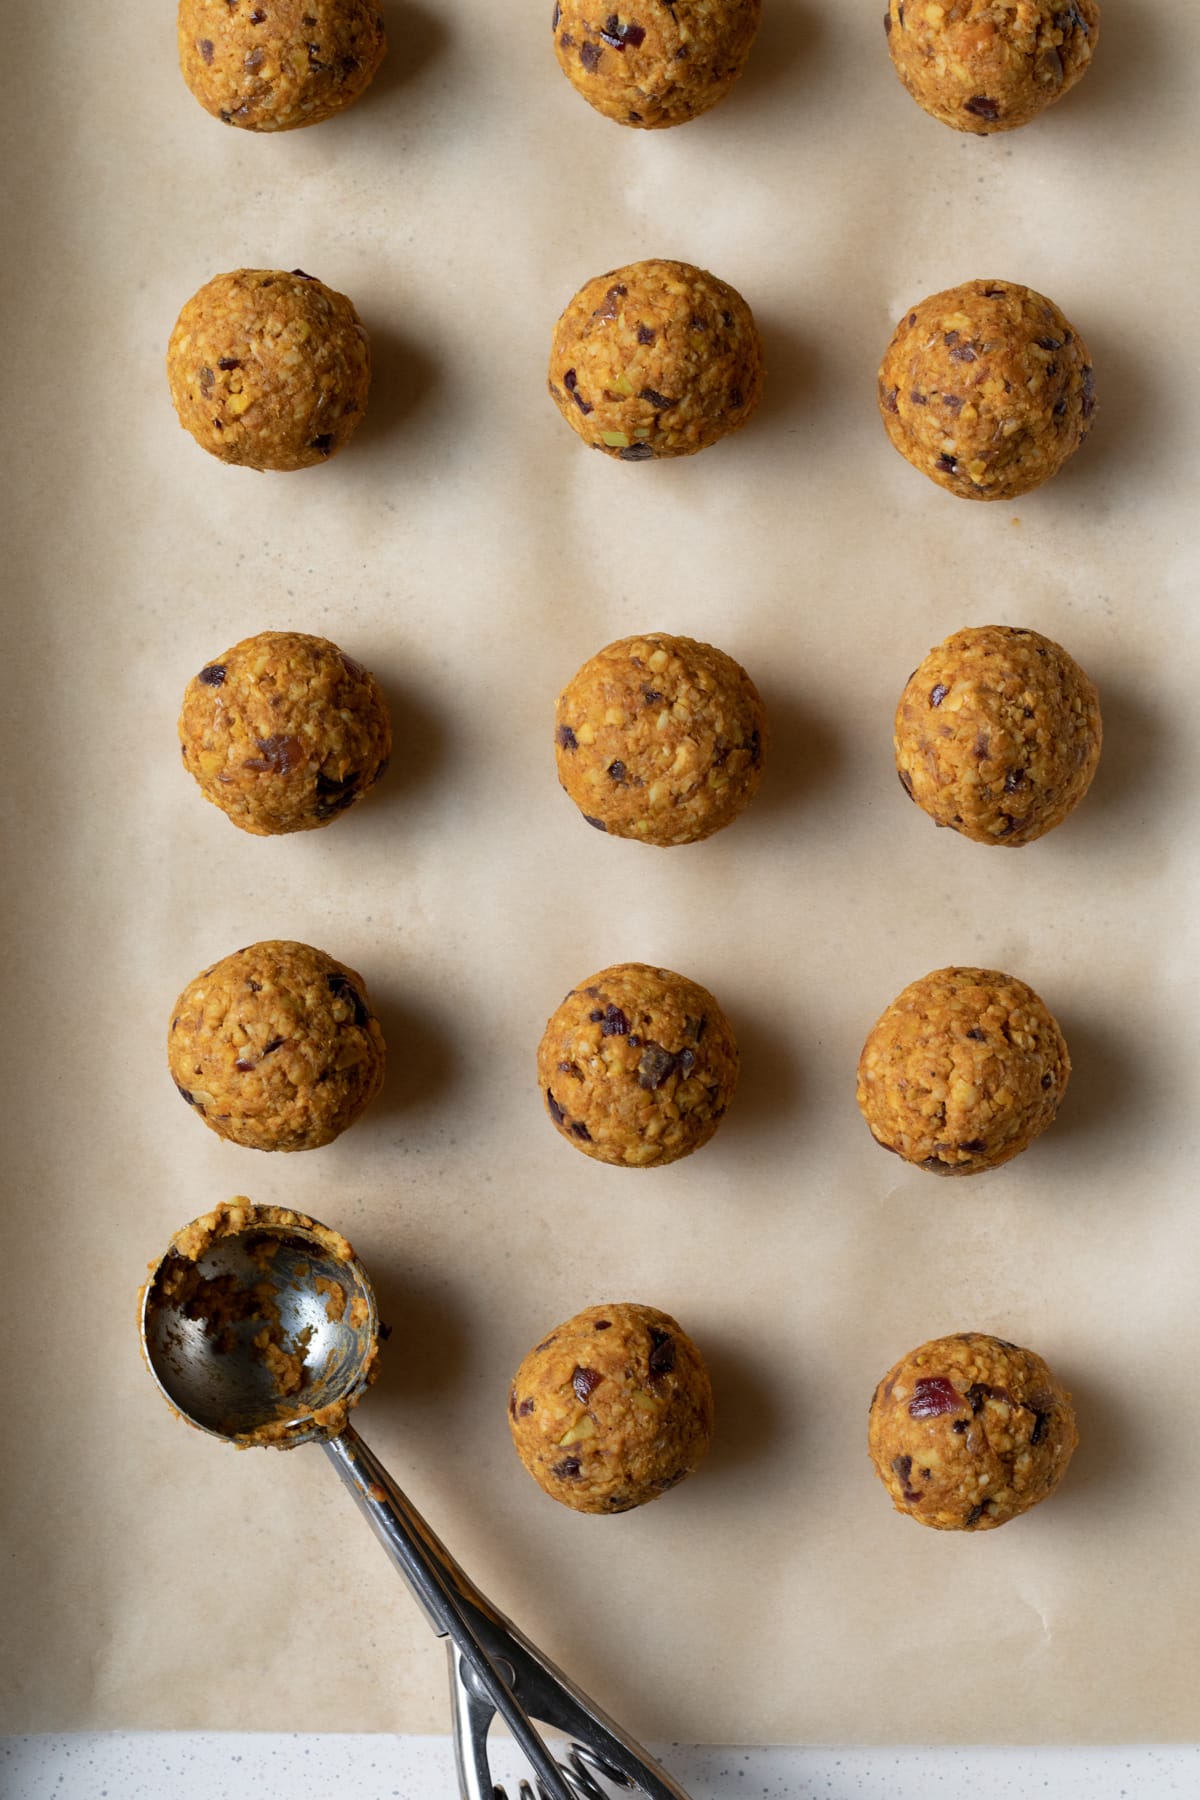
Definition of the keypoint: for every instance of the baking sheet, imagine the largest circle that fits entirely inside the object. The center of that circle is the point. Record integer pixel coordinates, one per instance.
(471, 552)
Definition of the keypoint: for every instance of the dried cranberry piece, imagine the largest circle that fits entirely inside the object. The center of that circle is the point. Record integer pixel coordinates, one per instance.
(213, 675)
(982, 107)
(556, 1111)
(567, 1469)
(1089, 392)
(322, 442)
(596, 824)
(657, 400)
(525, 1408)
(645, 335)
(279, 755)
(567, 738)
(890, 399)
(585, 1382)
(614, 1024)
(934, 1395)
(938, 694)
(205, 47)
(342, 988)
(580, 1130)
(589, 56)
(636, 453)
(662, 1353)
(656, 1066)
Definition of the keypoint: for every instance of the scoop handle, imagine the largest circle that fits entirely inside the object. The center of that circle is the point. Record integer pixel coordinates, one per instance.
(444, 1592)
(492, 1662)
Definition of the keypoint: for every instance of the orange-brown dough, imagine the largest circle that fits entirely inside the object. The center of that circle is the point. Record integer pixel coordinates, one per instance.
(284, 732)
(612, 1409)
(997, 734)
(970, 1431)
(987, 389)
(273, 65)
(990, 65)
(637, 1066)
(964, 1069)
(276, 1047)
(269, 369)
(660, 62)
(657, 359)
(660, 739)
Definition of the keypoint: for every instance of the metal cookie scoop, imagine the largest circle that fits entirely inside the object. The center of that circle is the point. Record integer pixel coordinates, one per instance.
(260, 1327)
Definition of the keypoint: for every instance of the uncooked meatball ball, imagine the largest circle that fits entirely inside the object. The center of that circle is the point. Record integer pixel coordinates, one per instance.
(638, 1066)
(272, 65)
(284, 732)
(983, 65)
(276, 1047)
(269, 369)
(659, 359)
(998, 734)
(660, 64)
(986, 389)
(964, 1069)
(612, 1409)
(661, 739)
(969, 1431)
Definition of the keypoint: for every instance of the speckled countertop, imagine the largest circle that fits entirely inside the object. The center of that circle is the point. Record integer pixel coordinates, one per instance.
(297, 1766)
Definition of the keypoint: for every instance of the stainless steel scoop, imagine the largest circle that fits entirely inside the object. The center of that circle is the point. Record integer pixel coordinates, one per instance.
(268, 1334)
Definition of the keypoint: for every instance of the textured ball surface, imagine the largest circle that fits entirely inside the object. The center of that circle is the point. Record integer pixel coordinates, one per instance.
(990, 65)
(274, 65)
(986, 389)
(276, 1047)
(284, 732)
(637, 1066)
(969, 1432)
(961, 1073)
(661, 739)
(657, 359)
(268, 369)
(660, 64)
(998, 734)
(612, 1409)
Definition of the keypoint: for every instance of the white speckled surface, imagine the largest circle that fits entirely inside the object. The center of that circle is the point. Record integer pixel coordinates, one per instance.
(216, 1765)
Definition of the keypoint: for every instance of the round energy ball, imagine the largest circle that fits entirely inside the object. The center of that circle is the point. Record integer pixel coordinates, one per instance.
(276, 1047)
(658, 359)
(998, 734)
(269, 369)
(990, 66)
(986, 389)
(661, 739)
(969, 1431)
(661, 64)
(273, 65)
(284, 732)
(638, 1066)
(964, 1069)
(612, 1409)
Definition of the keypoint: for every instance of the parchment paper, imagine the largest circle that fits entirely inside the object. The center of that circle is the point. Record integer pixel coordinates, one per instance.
(468, 549)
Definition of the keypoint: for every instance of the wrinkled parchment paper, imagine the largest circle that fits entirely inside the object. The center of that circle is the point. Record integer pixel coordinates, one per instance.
(471, 552)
